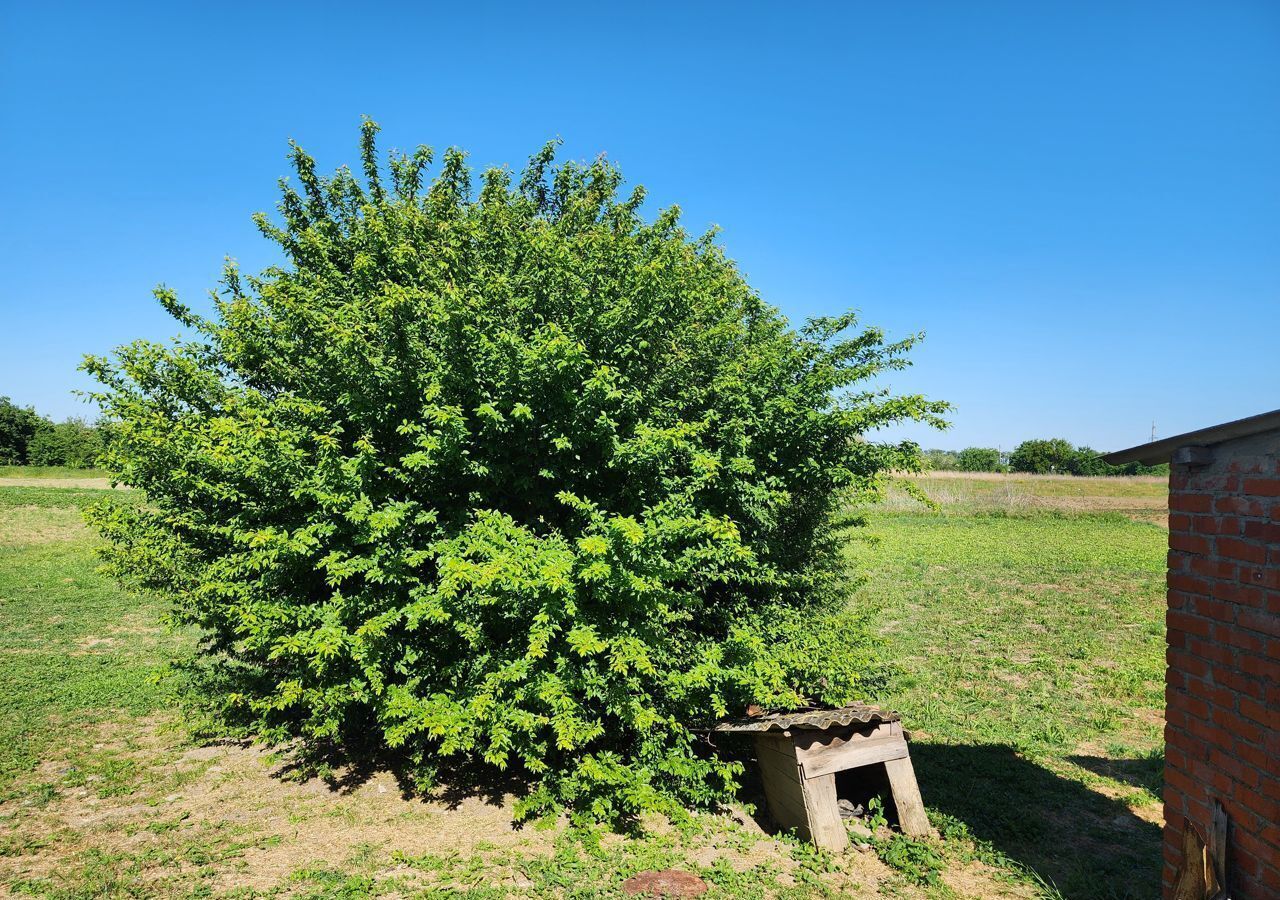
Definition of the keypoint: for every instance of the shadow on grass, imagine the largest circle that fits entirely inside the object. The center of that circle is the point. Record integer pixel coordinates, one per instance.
(1146, 772)
(344, 770)
(1086, 844)
(344, 765)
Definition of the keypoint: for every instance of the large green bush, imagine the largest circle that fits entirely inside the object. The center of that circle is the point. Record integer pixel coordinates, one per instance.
(514, 477)
(73, 443)
(939, 460)
(1044, 457)
(978, 459)
(1056, 455)
(18, 426)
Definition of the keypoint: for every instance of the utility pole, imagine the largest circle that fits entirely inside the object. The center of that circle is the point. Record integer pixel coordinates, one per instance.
(1153, 431)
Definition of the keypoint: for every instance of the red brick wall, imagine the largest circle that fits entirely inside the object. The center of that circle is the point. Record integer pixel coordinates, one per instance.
(1222, 693)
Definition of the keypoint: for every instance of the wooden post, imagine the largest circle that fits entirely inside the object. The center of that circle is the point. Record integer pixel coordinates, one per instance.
(906, 796)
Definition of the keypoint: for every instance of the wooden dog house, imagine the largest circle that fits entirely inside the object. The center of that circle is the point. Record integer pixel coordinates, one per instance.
(800, 754)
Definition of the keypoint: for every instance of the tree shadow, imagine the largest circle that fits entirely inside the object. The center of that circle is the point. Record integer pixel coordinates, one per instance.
(1084, 843)
(1146, 772)
(344, 770)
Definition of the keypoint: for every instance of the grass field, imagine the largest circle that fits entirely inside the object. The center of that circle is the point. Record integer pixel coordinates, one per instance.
(1023, 619)
(52, 476)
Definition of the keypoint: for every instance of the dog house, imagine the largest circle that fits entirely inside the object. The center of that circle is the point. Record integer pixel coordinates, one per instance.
(800, 754)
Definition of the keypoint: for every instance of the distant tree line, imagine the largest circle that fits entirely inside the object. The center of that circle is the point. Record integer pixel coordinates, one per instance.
(1040, 456)
(29, 439)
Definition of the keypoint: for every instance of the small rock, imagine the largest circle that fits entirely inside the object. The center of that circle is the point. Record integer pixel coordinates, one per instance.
(382, 788)
(857, 829)
(850, 810)
(666, 883)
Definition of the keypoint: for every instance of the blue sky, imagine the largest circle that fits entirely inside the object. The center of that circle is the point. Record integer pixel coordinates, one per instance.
(1080, 204)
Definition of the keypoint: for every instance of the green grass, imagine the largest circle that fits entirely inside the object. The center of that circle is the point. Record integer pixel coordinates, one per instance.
(68, 498)
(49, 472)
(964, 493)
(1027, 658)
(74, 649)
(1028, 650)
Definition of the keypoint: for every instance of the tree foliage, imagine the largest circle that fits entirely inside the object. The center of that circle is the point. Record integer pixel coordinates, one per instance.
(509, 475)
(978, 459)
(73, 443)
(18, 425)
(1043, 457)
(939, 460)
(1056, 455)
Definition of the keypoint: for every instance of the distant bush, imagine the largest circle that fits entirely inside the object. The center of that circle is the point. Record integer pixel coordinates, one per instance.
(73, 443)
(1089, 462)
(1058, 456)
(1043, 457)
(518, 478)
(1137, 468)
(978, 459)
(18, 426)
(940, 460)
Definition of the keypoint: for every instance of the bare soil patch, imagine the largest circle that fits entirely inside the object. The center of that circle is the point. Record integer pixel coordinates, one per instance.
(226, 815)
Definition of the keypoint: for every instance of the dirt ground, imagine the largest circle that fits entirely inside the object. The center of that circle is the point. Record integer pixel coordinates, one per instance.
(164, 815)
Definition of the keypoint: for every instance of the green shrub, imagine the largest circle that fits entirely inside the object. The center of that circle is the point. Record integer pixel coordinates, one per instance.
(515, 478)
(73, 443)
(978, 459)
(1043, 457)
(18, 426)
(940, 460)
(1089, 462)
(1058, 456)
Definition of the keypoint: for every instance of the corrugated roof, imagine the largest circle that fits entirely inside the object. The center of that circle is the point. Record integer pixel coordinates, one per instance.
(811, 719)
(1161, 450)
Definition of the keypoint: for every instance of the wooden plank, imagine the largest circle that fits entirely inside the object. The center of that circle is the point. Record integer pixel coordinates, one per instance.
(1217, 843)
(906, 797)
(853, 756)
(826, 828)
(783, 791)
(781, 753)
(824, 752)
(787, 809)
(816, 742)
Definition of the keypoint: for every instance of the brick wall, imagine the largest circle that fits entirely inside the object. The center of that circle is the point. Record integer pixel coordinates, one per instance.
(1222, 692)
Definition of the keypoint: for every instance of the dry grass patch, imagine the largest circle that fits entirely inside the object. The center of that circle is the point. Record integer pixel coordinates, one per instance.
(96, 483)
(26, 526)
(1140, 497)
(132, 811)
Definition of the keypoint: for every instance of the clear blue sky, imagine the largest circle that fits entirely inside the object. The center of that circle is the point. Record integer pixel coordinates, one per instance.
(1079, 203)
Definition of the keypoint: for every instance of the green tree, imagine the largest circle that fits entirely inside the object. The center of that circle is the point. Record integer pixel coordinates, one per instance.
(511, 476)
(978, 459)
(73, 443)
(1087, 461)
(940, 460)
(1043, 457)
(18, 425)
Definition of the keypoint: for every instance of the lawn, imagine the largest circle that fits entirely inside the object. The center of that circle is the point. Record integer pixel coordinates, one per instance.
(1023, 621)
(25, 472)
